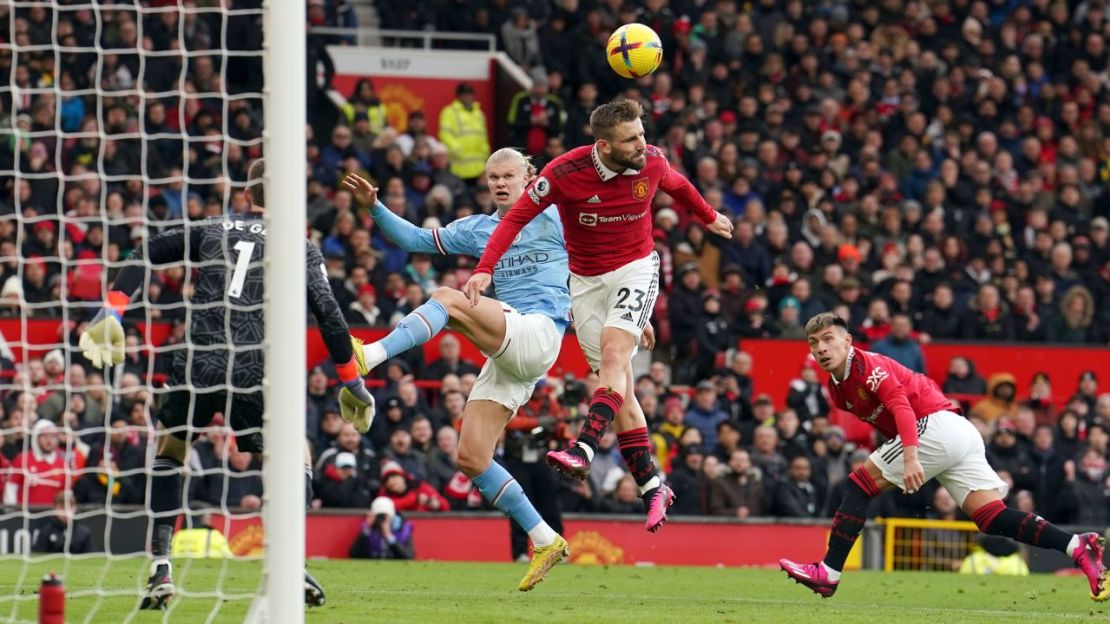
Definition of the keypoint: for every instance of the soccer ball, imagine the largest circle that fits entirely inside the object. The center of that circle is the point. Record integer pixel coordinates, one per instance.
(634, 50)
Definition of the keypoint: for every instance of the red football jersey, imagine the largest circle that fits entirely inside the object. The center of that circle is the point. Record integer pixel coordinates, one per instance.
(887, 395)
(36, 480)
(606, 215)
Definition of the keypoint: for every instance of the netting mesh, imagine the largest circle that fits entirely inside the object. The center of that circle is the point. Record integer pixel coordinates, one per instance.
(121, 120)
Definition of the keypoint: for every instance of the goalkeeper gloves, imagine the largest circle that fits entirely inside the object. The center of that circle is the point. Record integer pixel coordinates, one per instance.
(356, 404)
(102, 341)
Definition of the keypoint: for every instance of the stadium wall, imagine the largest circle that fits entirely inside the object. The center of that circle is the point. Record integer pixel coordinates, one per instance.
(594, 539)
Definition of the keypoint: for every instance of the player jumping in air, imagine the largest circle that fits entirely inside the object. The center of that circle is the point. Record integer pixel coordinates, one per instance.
(520, 334)
(220, 367)
(926, 440)
(604, 194)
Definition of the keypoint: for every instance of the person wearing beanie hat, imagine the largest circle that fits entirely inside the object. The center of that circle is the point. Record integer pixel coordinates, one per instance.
(789, 322)
(384, 533)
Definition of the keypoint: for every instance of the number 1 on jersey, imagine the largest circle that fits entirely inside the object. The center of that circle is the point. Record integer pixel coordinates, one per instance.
(245, 249)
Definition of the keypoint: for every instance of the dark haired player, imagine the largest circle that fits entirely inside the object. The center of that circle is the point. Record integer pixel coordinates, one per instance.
(218, 369)
(604, 193)
(926, 440)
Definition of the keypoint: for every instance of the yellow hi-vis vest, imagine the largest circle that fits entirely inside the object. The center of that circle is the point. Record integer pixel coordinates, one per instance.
(200, 543)
(464, 133)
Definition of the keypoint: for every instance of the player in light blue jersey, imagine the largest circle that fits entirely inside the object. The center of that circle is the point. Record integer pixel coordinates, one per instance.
(521, 334)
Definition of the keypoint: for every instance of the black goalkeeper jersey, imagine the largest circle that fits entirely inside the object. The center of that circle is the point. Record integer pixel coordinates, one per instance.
(224, 343)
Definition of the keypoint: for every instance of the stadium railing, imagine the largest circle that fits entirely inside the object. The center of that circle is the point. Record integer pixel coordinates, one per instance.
(926, 545)
(387, 37)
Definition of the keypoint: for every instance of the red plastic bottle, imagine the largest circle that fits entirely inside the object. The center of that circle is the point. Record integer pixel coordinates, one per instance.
(52, 600)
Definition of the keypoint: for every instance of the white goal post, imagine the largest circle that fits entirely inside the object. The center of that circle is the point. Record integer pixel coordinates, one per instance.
(283, 61)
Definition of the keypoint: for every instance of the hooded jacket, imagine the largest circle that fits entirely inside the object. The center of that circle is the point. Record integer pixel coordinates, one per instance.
(994, 407)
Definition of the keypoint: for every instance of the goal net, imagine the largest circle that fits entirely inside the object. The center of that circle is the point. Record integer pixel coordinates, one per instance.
(123, 120)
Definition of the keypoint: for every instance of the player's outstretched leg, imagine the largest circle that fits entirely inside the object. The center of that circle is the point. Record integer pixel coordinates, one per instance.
(824, 577)
(418, 327)
(483, 422)
(990, 514)
(165, 505)
(503, 492)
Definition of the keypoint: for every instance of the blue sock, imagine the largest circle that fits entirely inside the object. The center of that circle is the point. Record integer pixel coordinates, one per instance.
(501, 489)
(415, 329)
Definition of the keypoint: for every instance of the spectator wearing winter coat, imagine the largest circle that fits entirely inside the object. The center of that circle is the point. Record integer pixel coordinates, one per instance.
(685, 480)
(999, 402)
(704, 415)
(900, 345)
(739, 492)
(384, 534)
(625, 499)
(1005, 454)
(60, 533)
(1089, 486)
(797, 496)
(807, 393)
(941, 320)
(408, 493)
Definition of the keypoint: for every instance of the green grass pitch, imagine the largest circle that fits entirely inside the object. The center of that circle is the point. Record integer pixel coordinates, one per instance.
(458, 593)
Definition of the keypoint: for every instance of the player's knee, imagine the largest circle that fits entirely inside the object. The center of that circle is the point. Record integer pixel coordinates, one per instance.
(472, 462)
(449, 298)
(615, 358)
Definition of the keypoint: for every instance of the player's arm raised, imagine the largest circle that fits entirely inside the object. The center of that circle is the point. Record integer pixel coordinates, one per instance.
(676, 185)
(406, 235)
(539, 195)
(355, 401)
(102, 341)
(893, 396)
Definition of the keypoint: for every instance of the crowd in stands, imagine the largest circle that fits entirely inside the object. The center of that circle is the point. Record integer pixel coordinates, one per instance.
(928, 170)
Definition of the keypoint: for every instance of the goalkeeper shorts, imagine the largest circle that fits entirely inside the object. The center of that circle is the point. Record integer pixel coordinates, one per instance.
(184, 411)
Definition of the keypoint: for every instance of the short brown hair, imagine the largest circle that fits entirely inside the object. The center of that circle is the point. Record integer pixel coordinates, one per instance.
(609, 116)
(824, 320)
(255, 188)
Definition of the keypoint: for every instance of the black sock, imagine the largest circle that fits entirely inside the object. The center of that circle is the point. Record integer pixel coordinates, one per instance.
(604, 406)
(997, 519)
(846, 525)
(165, 503)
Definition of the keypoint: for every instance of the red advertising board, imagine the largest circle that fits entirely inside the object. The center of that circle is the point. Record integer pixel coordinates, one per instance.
(593, 540)
(409, 80)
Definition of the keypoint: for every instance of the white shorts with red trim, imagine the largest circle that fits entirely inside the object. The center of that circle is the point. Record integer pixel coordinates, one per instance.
(948, 448)
(530, 348)
(622, 298)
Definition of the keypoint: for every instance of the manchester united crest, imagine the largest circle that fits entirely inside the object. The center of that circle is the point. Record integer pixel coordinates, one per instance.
(640, 188)
(862, 394)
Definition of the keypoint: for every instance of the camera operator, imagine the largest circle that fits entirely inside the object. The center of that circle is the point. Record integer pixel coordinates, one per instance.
(385, 534)
(528, 436)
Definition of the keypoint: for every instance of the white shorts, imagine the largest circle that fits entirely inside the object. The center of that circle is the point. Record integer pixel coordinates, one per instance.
(531, 346)
(950, 449)
(622, 298)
